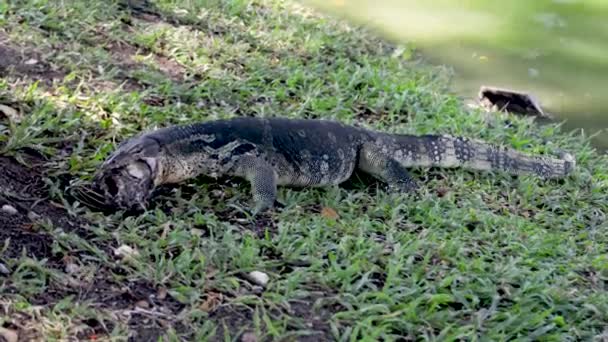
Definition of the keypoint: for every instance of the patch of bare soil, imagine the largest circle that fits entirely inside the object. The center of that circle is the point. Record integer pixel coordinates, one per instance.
(305, 316)
(23, 189)
(29, 63)
(24, 197)
(234, 319)
(123, 53)
(148, 310)
(145, 309)
(315, 320)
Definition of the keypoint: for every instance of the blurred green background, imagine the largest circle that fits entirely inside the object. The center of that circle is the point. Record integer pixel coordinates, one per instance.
(555, 49)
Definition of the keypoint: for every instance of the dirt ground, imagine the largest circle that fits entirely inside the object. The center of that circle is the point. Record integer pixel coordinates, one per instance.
(147, 310)
(22, 189)
(354, 262)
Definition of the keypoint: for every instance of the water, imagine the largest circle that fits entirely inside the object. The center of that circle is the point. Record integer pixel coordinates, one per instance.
(556, 50)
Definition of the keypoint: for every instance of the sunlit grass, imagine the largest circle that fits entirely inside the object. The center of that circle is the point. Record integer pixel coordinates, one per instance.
(473, 256)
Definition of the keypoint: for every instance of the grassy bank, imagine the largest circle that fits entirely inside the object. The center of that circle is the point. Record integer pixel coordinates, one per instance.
(476, 256)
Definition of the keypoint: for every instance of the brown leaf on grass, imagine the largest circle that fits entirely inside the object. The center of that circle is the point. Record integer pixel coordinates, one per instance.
(162, 293)
(11, 113)
(212, 301)
(329, 213)
(143, 304)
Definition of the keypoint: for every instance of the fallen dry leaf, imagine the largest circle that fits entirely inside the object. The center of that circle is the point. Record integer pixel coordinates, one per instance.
(212, 301)
(162, 293)
(142, 304)
(11, 113)
(329, 213)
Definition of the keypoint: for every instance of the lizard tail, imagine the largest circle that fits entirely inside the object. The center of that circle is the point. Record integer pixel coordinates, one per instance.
(448, 151)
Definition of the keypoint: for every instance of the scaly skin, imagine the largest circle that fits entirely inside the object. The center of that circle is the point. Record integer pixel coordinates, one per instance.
(289, 152)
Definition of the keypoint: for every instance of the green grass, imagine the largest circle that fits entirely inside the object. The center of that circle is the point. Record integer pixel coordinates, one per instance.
(474, 256)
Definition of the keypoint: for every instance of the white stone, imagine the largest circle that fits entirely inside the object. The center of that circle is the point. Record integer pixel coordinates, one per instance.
(259, 278)
(72, 268)
(9, 209)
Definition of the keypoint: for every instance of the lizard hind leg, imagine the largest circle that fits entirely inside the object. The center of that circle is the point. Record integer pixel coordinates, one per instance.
(385, 168)
(263, 180)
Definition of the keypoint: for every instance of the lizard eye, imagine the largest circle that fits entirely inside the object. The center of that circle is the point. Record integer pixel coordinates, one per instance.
(151, 162)
(139, 170)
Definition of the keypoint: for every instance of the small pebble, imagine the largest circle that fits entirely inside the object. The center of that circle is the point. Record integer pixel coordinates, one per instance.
(143, 304)
(9, 209)
(71, 268)
(258, 278)
(125, 251)
(249, 337)
(33, 216)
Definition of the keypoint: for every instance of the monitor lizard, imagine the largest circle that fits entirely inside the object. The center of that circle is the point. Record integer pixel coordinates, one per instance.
(271, 152)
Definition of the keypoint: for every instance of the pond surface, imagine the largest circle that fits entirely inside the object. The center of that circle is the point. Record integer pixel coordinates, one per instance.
(556, 50)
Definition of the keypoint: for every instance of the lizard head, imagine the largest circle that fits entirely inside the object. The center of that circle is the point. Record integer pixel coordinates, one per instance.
(127, 177)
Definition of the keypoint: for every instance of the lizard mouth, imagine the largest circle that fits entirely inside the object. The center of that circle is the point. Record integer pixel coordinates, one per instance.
(126, 187)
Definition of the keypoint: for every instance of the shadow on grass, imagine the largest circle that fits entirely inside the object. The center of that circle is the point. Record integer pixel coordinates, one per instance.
(97, 278)
(51, 255)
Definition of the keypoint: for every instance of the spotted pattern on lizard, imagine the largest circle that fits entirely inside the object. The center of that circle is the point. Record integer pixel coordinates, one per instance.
(297, 152)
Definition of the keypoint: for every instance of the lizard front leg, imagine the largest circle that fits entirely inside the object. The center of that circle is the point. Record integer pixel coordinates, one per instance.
(263, 180)
(374, 161)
